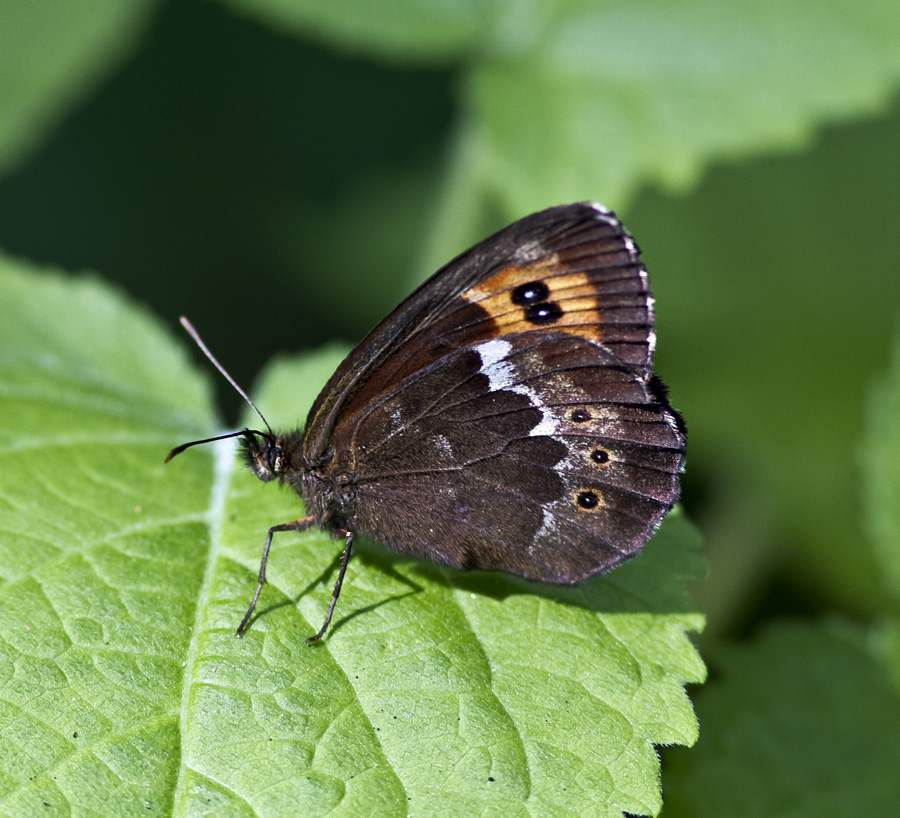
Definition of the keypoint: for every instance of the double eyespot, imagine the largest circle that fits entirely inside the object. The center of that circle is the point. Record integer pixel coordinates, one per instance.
(581, 415)
(533, 297)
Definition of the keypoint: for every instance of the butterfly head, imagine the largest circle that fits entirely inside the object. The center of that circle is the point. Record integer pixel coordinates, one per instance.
(262, 451)
(269, 456)
(263, 454)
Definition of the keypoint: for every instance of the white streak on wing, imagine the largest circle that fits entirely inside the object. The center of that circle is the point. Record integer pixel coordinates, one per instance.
(548, 529)
(547, 426)
(501, 373)
(493, 352)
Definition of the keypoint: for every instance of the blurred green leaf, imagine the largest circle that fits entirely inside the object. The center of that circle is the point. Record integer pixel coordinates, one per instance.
(52, 53)
(573, 98)
(881, 457)
(123, 686)
(777, 296)
(426, 30)
(802, 722)
(887, 642)
(604, 97)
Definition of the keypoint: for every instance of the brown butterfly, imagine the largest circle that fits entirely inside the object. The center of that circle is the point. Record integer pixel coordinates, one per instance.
(505, 416)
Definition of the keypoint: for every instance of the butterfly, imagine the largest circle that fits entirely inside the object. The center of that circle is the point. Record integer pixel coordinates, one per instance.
(505, 416)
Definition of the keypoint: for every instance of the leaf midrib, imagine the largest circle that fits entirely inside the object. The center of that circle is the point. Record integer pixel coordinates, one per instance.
(223, 469)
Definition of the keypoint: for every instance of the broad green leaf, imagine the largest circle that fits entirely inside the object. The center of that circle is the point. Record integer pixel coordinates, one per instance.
(50, 54)
(124, 689)
(802, 722)
(427, 30)
(881, 457)
(597, 98)
(102, 550)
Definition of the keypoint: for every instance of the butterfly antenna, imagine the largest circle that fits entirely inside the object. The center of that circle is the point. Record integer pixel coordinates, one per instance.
(199, 341)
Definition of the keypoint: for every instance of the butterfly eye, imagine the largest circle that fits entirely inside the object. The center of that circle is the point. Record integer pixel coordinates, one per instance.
(600, 456)
(580, 416)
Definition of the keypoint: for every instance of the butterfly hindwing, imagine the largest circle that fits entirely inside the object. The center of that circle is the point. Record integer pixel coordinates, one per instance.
(538, 454)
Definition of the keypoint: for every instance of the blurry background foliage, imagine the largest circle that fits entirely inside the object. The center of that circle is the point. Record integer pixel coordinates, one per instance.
(283, 171)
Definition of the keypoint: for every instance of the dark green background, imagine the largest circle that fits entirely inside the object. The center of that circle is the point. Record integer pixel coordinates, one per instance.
(267, 188)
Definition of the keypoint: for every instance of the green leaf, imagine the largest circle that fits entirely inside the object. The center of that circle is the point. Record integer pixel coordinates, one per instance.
(102, 550)
(802, 722)
(598, 98)
(881, 455)
(51, 54)
(124, 689)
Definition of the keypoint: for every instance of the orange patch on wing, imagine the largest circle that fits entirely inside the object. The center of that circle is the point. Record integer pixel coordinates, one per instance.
(573, 293)
(511, 277)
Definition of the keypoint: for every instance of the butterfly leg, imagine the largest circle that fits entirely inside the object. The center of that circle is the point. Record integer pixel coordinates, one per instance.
(296, 525)
(337, 588)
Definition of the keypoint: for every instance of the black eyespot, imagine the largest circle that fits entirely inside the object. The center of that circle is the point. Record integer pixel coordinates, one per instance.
(580, 416)
(530, 293)
(544, 313)
(600, 456)
(587, 499)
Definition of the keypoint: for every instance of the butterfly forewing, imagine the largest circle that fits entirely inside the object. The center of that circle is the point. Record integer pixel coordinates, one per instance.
(580, 252)
(586, 280)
